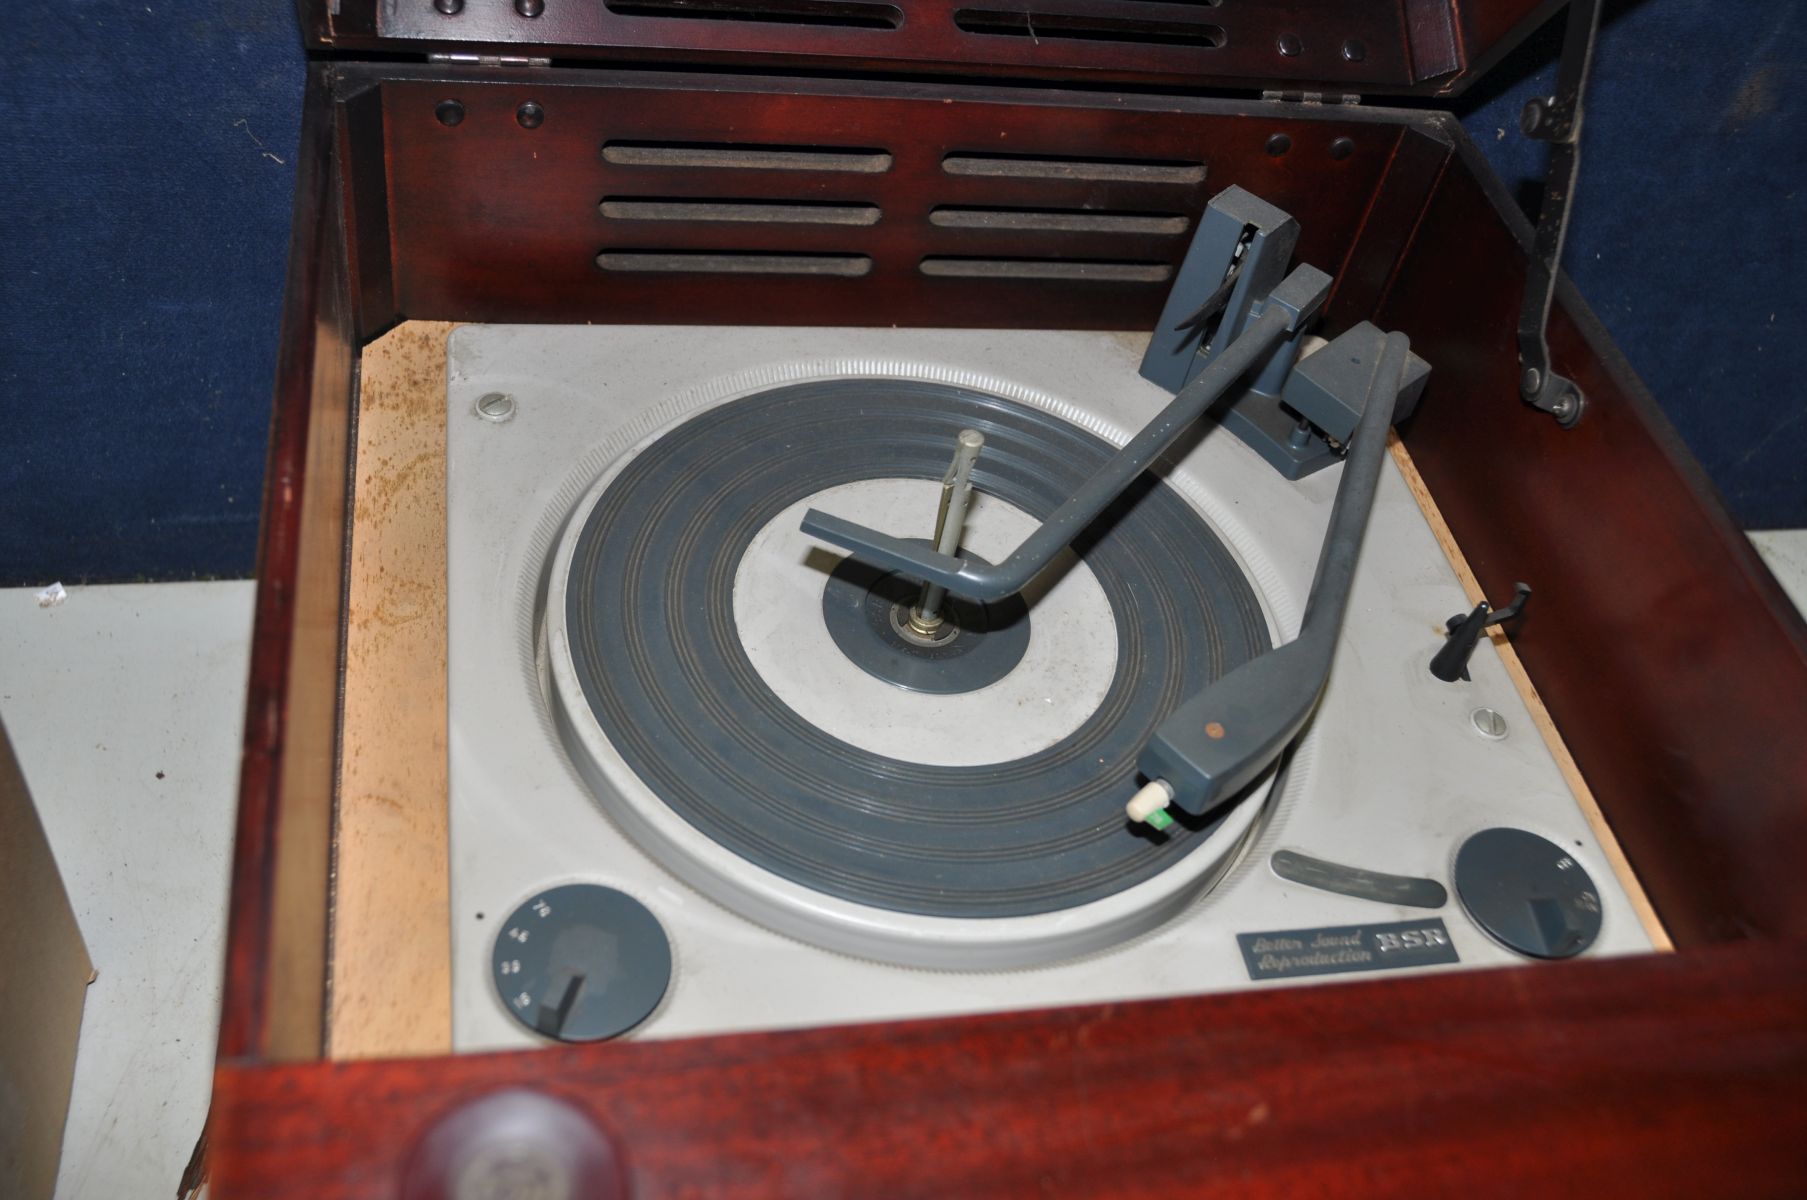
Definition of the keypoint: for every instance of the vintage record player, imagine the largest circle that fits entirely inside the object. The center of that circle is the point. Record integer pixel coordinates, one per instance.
(939, 599)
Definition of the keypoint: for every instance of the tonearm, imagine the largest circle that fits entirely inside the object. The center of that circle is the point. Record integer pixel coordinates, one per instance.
(1232, 342)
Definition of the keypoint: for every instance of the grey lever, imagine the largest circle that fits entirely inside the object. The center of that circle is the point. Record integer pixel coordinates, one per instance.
(1286, 309)
(1410, 890)
(1216, 743)
(1555, 119)
(1450, 663)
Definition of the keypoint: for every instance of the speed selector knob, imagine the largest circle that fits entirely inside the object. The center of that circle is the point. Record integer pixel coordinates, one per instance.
(1528, 893)
(581, 962)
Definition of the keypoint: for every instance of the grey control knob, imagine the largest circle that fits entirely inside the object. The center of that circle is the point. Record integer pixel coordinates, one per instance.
(1528, 893)
(581, 962)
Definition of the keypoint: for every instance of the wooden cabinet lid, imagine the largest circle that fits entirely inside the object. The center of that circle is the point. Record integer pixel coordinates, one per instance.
(1333, 48)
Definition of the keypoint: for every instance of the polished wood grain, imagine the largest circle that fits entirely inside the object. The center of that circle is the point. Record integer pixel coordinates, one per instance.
(1655, 1076)
(364, 205)
(929, 37)
(1492, 29)
(274, 998)
(1387, 226)
(1668, 655)
(391, 968)
(493, 222)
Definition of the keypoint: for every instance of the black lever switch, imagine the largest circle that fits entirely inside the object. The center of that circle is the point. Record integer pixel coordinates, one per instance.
(1451, 662)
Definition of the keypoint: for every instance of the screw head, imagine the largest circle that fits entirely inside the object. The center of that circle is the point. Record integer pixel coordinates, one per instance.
(530, 8)
(1567, 409)
(1279, 144)
(496, 407)
(449, 112)
(1531, 382)
(1354, 51)
(530, 115)
(1341, 148)
(450, 8)
(1289, 44)
(1488, 724)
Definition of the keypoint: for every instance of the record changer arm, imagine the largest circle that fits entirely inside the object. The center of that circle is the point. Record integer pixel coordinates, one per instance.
(1343, 397)
(1289, 307)
(1219, 741)
(1223, 738)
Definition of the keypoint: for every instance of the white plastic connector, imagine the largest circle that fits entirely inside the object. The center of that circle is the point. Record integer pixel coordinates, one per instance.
(1310, 344)
(1150, 799)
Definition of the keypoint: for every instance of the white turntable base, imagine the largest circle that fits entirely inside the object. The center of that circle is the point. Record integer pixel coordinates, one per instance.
(1391, 777)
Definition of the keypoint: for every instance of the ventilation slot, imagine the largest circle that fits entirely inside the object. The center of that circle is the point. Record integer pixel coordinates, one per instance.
(765, 212)
(1043, 26)
(1117, 170)
(849, 266)
(1046, 268)
(780, 12)
(750, 158)
(1157, 224)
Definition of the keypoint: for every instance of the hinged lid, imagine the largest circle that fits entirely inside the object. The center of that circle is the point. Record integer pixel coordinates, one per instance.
(1332, 47)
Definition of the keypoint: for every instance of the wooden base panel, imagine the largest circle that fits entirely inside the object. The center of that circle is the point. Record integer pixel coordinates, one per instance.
(391, 981)
(1661, 1075)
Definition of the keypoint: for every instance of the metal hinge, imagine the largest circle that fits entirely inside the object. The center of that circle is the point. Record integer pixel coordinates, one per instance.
(490, 60)
(1555, 119)
(1312, 97)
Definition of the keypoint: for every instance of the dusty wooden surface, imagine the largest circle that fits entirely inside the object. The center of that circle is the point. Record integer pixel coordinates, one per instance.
(391, 984)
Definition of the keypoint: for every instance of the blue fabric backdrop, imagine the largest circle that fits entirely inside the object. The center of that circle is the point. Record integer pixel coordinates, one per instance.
(148, 158)
(1686, 235)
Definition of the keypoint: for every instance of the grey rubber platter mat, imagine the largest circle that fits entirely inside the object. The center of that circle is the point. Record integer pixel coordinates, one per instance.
(654, 643)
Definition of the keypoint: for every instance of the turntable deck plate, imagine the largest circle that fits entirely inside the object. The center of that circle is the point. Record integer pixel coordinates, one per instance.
(1391, 775)
(649, 613)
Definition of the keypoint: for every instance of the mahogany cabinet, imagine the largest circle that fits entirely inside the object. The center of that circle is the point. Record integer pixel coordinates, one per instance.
(1672, 663)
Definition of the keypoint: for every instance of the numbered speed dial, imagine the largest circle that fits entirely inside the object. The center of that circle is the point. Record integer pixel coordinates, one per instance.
(581, 963)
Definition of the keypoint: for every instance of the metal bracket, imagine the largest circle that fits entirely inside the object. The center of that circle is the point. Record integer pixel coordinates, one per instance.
(1238, 256)
(1555, 119)
(1288, 413)
(490, 60)
(1342, 98)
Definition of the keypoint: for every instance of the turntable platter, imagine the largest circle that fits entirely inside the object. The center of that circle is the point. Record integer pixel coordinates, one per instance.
(658, 683)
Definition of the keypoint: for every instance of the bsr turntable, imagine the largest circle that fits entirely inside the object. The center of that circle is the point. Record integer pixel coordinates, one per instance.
(802, 676)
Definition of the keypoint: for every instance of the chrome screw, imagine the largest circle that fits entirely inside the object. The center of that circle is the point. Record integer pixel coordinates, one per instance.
(496, 406)
(1488, 723)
